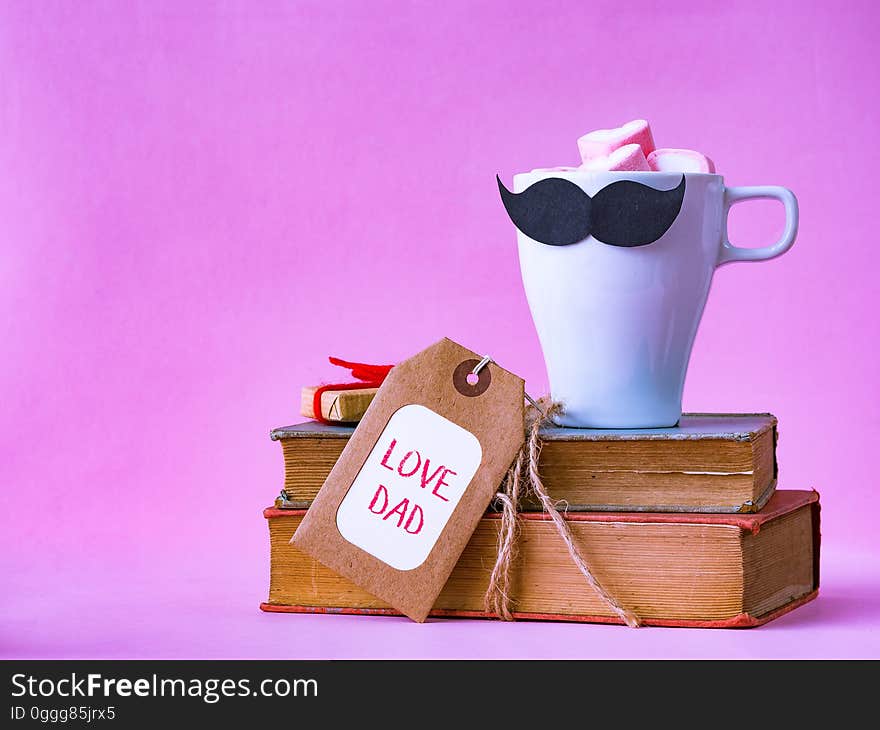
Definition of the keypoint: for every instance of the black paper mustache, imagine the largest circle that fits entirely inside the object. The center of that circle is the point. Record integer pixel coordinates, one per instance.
(557, 212)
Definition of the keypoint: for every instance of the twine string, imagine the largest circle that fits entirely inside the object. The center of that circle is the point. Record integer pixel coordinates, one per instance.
(522, 476)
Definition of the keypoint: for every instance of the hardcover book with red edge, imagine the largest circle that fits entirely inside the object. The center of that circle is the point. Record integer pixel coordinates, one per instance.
(671, 569)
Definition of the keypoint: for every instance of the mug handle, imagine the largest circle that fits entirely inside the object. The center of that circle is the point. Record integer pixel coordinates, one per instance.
(732, 196)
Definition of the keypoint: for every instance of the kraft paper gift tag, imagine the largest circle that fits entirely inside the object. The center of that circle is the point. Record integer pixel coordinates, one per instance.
(418, 473)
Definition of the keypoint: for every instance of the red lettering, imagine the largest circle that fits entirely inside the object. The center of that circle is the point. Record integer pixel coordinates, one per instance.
(441, 483)
(399, 509)
(388, 453)
(405, 459)
(384, 493)
(426, 480)
(410, 520)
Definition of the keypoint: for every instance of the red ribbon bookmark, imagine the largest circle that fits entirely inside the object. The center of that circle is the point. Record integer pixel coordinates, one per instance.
(370, 376)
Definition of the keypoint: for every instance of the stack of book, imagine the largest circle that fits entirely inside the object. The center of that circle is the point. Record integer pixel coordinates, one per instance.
(684, 526)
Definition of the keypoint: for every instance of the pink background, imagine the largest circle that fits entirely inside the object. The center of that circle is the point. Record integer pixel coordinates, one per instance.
(200, 201)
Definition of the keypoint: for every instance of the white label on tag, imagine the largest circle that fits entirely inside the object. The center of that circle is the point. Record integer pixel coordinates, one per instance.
(409, 486)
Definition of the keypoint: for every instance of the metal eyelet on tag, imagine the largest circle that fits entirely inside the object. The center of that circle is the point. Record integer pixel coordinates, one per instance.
(472, 367)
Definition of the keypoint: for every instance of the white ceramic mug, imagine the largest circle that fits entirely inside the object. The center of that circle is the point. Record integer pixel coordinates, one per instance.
(617, 322)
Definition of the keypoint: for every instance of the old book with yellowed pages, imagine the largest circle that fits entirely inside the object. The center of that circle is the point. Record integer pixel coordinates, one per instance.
(708, 463)
(698, 570)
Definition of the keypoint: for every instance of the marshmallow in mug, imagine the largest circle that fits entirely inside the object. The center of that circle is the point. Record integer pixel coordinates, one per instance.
(627, 158)
(670, 160)
(630, 148)
(602, 142)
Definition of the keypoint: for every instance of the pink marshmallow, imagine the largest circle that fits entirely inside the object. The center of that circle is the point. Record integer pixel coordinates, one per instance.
(671, 160)
(627, 158)
(602, 142)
